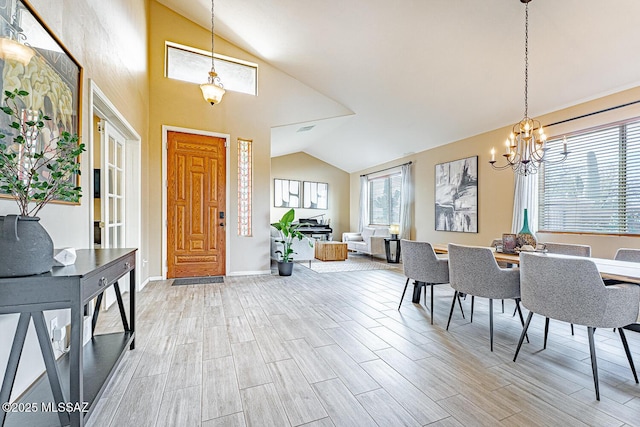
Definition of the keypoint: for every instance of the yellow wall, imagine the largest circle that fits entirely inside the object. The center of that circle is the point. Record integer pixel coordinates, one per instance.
(303, 167)
(180, 104)
(496, 188)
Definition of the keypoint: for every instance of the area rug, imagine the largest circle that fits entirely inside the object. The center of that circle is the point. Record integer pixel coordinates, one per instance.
(206, 280)
(352, 263)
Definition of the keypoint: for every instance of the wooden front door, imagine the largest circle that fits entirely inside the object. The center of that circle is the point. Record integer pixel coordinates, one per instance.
(196, 205)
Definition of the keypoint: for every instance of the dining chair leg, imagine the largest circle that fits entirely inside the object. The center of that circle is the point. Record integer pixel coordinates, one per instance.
(594, 363)
(431, 302)
(629, 358)
(424, 285)
(546, 332)
(473, 300)
(403, 292)
(460, 304)
(521, 317)
(453, 305)
(502, 306)
(524, 332)
(491, 322)
(572, 329)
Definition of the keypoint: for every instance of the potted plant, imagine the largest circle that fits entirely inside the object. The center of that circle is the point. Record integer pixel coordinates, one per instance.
(35, 168)
(289, 231)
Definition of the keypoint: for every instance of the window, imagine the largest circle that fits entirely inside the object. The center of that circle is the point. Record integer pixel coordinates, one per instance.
(384, 199)
(597, 188)
(244, 187)
(192, 65)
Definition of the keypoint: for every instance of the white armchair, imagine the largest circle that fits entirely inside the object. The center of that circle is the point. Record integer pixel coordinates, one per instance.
(370, 241)
(301, 248)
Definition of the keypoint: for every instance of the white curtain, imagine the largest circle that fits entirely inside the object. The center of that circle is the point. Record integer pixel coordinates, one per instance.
(406, 199)
(364, 203)
(525, 197)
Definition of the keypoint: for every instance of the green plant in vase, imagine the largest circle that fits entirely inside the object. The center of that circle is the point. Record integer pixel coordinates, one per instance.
(34, 172)
(290, 232)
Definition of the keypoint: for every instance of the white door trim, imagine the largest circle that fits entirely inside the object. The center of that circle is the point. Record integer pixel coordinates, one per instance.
(101, 106)
(165, 130)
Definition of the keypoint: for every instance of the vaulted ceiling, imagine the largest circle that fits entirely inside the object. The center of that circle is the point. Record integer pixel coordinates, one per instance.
(421, 73)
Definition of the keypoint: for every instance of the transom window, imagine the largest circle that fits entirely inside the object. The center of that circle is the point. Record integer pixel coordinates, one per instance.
(597, 189)
(384, 199)
(193, 65)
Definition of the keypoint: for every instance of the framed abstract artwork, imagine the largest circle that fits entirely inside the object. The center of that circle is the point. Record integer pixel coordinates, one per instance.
(315, 195)
(33, 59)
(286, 193)
(456, 195)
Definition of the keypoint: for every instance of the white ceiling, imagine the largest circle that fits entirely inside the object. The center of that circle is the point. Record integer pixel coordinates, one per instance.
(421, 73)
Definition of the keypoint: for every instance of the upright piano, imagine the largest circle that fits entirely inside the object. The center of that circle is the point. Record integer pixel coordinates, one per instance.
(315, 229)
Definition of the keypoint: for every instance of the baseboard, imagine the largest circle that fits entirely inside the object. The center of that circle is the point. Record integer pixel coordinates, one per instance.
(249, 273)
(149, 279)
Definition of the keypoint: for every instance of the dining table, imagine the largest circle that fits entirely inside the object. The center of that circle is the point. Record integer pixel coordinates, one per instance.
(622, 271)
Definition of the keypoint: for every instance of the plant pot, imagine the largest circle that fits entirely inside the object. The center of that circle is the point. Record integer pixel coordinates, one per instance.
(285, 268)
(25, 245)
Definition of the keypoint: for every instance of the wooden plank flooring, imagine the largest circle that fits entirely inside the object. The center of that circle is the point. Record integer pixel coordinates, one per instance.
(332, 349)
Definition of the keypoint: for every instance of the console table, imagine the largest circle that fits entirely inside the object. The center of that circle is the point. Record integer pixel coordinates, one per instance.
(78, 378)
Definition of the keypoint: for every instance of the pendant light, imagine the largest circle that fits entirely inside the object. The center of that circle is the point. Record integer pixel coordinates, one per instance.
(525, 148)
(213, 90)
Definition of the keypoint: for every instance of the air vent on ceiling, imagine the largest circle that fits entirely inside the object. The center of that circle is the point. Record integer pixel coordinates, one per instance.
(306, 128)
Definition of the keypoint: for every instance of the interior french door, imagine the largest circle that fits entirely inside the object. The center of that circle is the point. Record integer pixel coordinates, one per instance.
(112, 196)
(113, 187)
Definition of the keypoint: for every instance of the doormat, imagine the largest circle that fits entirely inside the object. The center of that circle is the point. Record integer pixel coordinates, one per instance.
(206, 280)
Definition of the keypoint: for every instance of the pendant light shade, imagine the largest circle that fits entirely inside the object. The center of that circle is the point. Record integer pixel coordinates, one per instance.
(12, 50)
(212, 91)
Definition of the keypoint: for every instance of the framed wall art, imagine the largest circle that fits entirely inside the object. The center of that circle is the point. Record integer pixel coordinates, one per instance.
(34, 60)
(456, 195)
(315, 195)
(286, 193)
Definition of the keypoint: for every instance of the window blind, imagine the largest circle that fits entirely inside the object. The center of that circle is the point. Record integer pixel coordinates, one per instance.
(597, 188)
(384, 199)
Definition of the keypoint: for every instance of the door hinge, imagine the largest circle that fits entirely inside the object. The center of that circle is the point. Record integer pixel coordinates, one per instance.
(100, 127)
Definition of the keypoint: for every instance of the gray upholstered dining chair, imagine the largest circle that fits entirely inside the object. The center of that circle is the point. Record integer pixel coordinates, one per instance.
(568, 249)
(624, 254)
(421, 265)
(564, 249)
(571, 290)
(628, 254)
(474, 271)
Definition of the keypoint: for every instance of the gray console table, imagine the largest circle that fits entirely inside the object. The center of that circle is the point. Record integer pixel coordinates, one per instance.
(77, 379)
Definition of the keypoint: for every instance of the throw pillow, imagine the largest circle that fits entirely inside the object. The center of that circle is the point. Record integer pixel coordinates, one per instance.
(367, 232)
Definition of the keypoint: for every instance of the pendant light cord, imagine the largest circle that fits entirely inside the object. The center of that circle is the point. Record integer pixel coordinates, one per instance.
(212, 41)
(526, 61)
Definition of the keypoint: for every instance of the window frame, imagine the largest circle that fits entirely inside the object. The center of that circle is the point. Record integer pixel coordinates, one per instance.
(386, 176)
(218, 57)
(622, 179)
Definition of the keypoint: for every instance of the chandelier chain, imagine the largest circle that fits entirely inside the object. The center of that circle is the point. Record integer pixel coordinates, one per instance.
(526, 61)
(212, 41)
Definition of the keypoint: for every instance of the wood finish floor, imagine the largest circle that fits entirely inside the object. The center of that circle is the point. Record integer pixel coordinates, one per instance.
(332, 349)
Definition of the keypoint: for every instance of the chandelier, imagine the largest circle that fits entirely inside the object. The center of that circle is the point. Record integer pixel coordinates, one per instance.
(13, 42)
(525, 148)
(213, 90)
